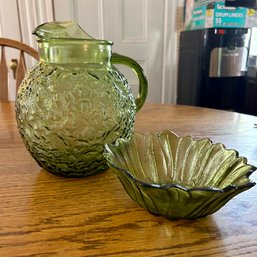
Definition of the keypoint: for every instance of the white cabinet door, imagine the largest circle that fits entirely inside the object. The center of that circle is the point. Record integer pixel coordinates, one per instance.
(9, 16)
(18, 18)
(144, 30)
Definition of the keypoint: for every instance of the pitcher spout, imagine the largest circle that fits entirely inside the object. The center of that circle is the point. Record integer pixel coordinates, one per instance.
(64, 29)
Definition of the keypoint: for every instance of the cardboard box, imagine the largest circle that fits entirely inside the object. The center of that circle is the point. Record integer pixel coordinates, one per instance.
(214, 14)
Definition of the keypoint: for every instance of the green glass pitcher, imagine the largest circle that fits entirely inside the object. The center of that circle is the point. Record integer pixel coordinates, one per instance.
(74, 100)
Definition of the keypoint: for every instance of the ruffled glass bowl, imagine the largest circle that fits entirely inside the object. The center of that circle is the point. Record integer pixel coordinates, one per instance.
(178, 177)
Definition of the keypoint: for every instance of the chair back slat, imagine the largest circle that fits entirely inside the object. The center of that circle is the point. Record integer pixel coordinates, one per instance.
(3, 76)
(21, 67)
(21, 70)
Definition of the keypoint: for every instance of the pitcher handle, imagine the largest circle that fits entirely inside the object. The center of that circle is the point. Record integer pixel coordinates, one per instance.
(143, 83)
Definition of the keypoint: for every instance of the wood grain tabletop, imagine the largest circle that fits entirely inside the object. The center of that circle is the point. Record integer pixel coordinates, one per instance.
(43, 215)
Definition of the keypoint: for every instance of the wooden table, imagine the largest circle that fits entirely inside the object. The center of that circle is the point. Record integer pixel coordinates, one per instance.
(43, 215)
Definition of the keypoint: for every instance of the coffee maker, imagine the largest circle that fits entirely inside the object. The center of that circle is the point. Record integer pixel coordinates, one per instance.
(212, 67)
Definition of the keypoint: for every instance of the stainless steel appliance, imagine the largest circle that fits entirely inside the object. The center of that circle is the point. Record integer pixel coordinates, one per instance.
(228, 61)
(213, 67)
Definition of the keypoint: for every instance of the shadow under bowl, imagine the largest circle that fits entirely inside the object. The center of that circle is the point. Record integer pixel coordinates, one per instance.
(178, 177)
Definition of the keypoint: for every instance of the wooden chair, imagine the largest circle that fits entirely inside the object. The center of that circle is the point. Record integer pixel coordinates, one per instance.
(19, 67)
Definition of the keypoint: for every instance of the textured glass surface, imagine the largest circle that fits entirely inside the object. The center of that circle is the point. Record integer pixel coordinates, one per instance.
(66, 113)
(74, 101)
(178, 177)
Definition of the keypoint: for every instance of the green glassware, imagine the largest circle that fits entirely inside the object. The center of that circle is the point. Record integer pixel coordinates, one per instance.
(178, 177)
(74, 100)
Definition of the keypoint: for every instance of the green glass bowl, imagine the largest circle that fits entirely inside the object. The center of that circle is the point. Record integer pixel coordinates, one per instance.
(178, 177)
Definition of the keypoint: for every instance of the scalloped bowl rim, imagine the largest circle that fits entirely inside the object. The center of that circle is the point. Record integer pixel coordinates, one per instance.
(174, 185)
(180, 186)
